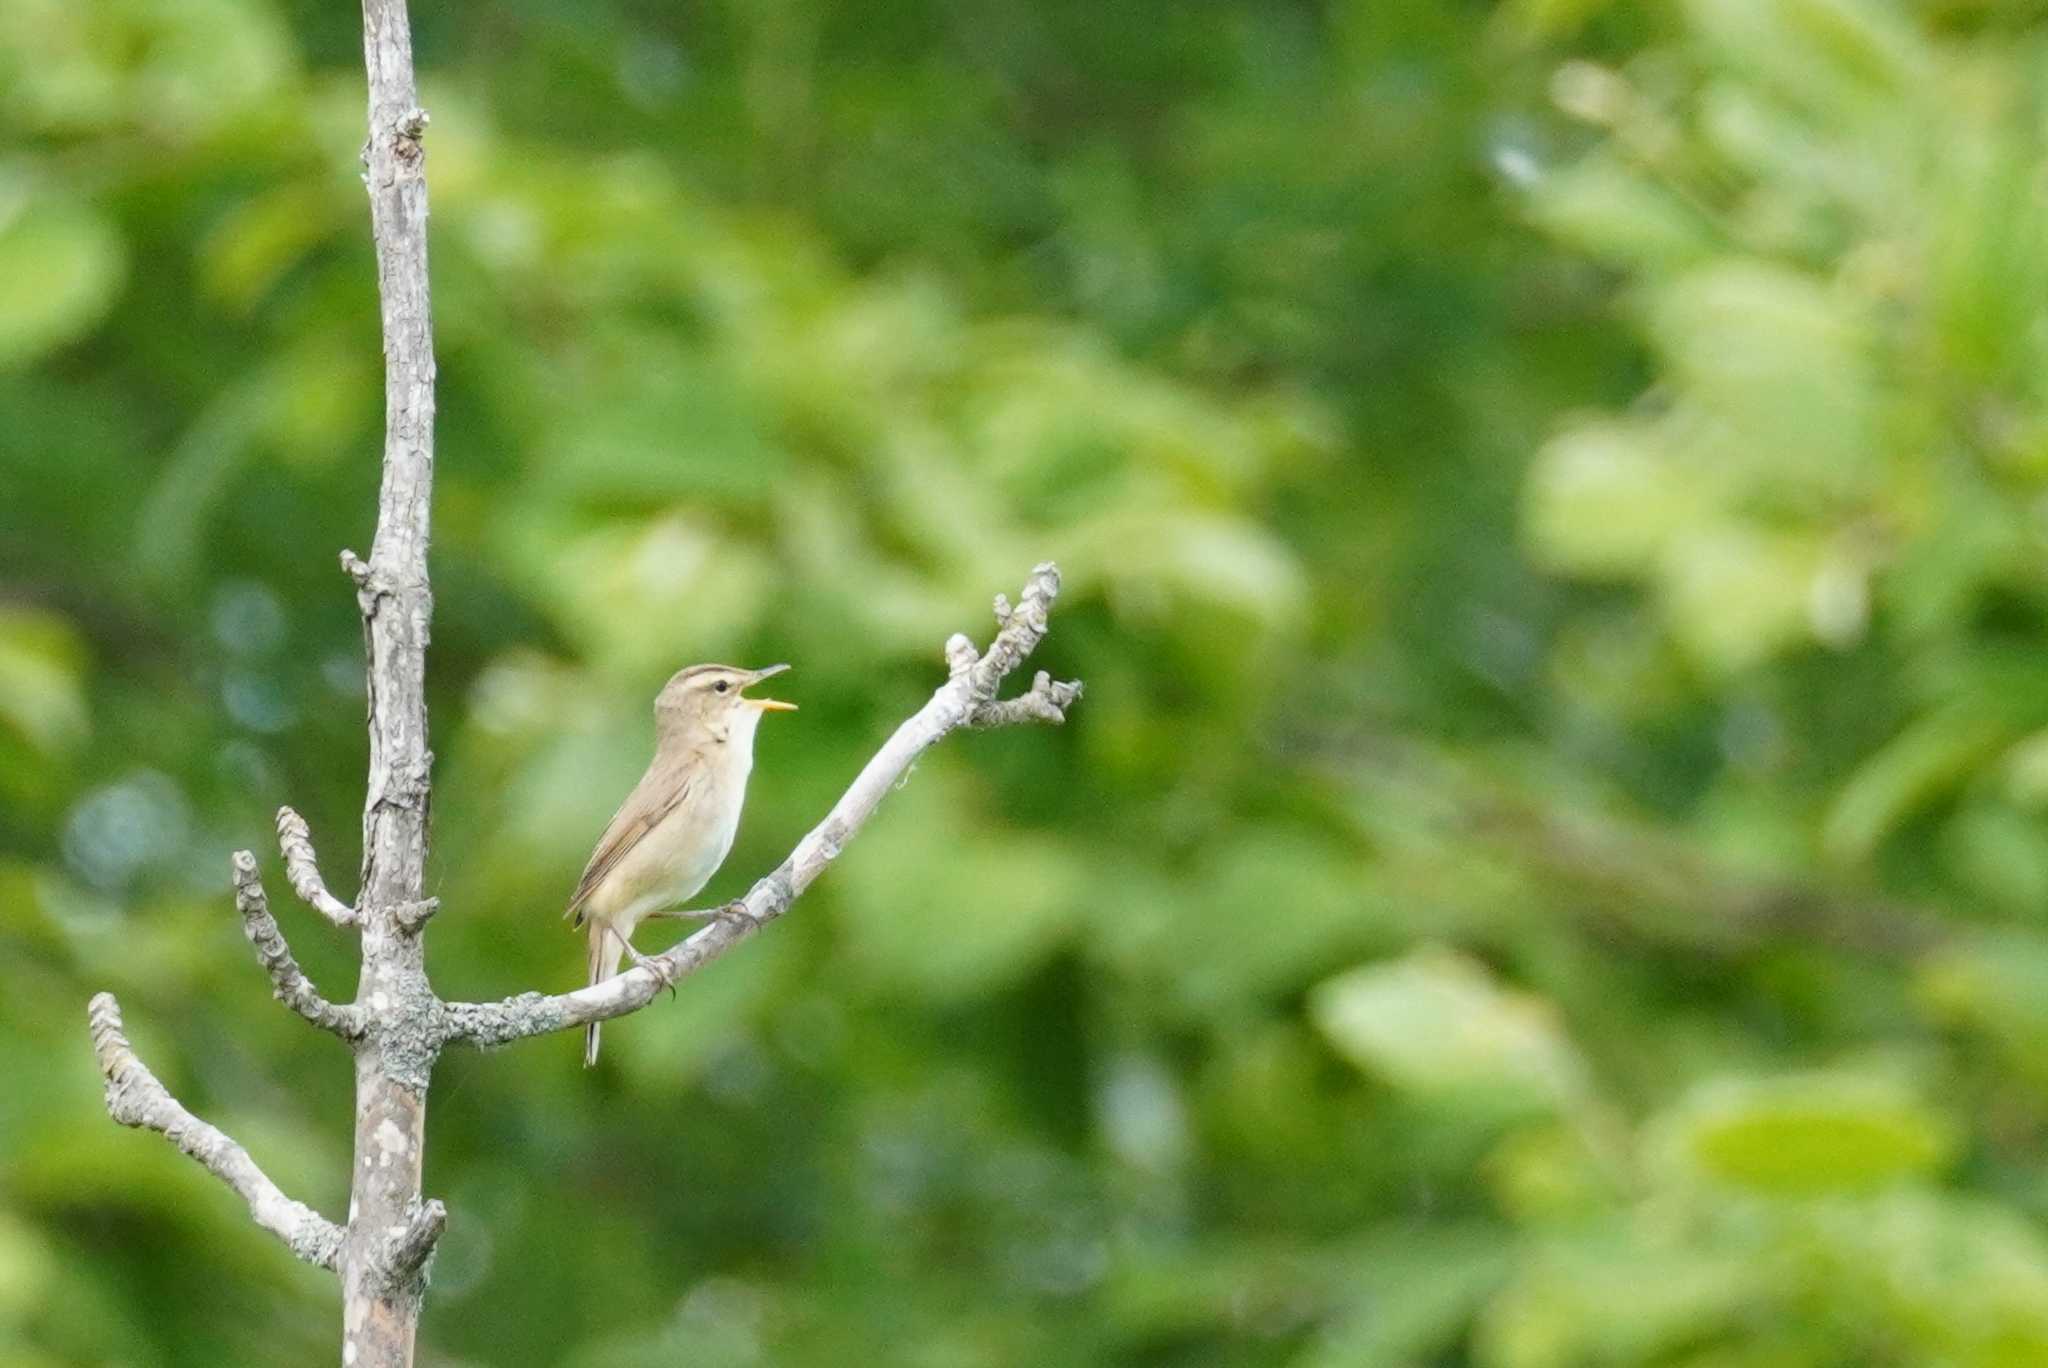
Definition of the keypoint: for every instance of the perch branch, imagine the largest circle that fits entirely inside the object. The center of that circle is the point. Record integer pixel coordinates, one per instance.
(968, 697)
(136, 1098)
(303, 870)
(289, 983)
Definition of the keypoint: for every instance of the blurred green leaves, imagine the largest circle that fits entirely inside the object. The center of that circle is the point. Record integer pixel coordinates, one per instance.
(61, 267)
(1806, 1135)
(42, 686)
(1604, 209)
(175, 73)
(984, 907)
(1436, 1024)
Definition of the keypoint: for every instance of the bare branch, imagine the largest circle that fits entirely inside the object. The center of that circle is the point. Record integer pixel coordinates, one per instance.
(531, 1014)
(136, 1098)
(1045, 701)
(1020, 629)
(355, 568)
(967, 695)
(303, 869)
(411, 916)
(288, 982)
(960, 655)
(413, 1243)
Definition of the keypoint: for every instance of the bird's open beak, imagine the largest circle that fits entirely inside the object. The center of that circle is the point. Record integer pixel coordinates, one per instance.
(769, 704)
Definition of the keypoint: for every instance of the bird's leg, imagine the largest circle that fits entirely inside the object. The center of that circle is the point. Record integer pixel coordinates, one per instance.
(736, 910)
(649, 962)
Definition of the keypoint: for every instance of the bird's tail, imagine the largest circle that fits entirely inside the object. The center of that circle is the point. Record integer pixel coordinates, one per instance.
(605, 954)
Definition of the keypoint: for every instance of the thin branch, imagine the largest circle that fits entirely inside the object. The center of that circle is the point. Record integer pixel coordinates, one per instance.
(1045, 701)
(413, 1243)
(960, 655)
(967, 697)
(289, 983)
(355, 568)
(1018, 632)
(303, 869)
(136, 1098)
(411, 916)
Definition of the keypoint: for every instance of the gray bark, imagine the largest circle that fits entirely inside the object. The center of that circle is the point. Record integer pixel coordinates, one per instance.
(384, 1256)
(302, 867)
(288, 983)
(136, 1098)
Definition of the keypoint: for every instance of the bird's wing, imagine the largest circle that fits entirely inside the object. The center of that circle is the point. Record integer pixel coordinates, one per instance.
(642, 812)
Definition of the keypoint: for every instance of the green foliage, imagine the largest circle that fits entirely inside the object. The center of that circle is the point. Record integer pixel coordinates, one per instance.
(1433, 1023)
(1549, 872)
(1795, 1135)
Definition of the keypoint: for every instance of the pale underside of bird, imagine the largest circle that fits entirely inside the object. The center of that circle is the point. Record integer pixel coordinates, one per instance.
(677, 825)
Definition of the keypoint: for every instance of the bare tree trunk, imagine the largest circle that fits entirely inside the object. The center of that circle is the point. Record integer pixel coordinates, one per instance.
(396, 1026)
(381, 1293)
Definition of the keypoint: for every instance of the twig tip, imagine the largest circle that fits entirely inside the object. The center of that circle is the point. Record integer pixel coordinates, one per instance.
(960, 654)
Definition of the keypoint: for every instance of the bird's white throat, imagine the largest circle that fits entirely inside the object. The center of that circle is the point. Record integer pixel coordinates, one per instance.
(738, 736)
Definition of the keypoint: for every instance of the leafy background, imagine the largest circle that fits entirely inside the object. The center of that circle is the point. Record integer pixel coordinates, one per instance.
(1551, 869)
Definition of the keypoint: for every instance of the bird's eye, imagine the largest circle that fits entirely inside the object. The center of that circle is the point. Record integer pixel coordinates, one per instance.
(721, 686)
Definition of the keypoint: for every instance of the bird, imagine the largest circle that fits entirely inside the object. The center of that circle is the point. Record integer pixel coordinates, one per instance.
(676, 827)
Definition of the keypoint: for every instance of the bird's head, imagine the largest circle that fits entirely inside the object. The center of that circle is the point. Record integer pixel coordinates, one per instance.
(713, 697)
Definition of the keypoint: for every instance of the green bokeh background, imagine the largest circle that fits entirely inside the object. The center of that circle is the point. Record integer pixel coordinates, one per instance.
(1552, 867)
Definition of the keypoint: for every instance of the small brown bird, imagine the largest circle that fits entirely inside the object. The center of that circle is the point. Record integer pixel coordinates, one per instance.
(676, 827)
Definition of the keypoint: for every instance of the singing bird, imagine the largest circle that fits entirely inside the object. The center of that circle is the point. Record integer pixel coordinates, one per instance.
(676, 827)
